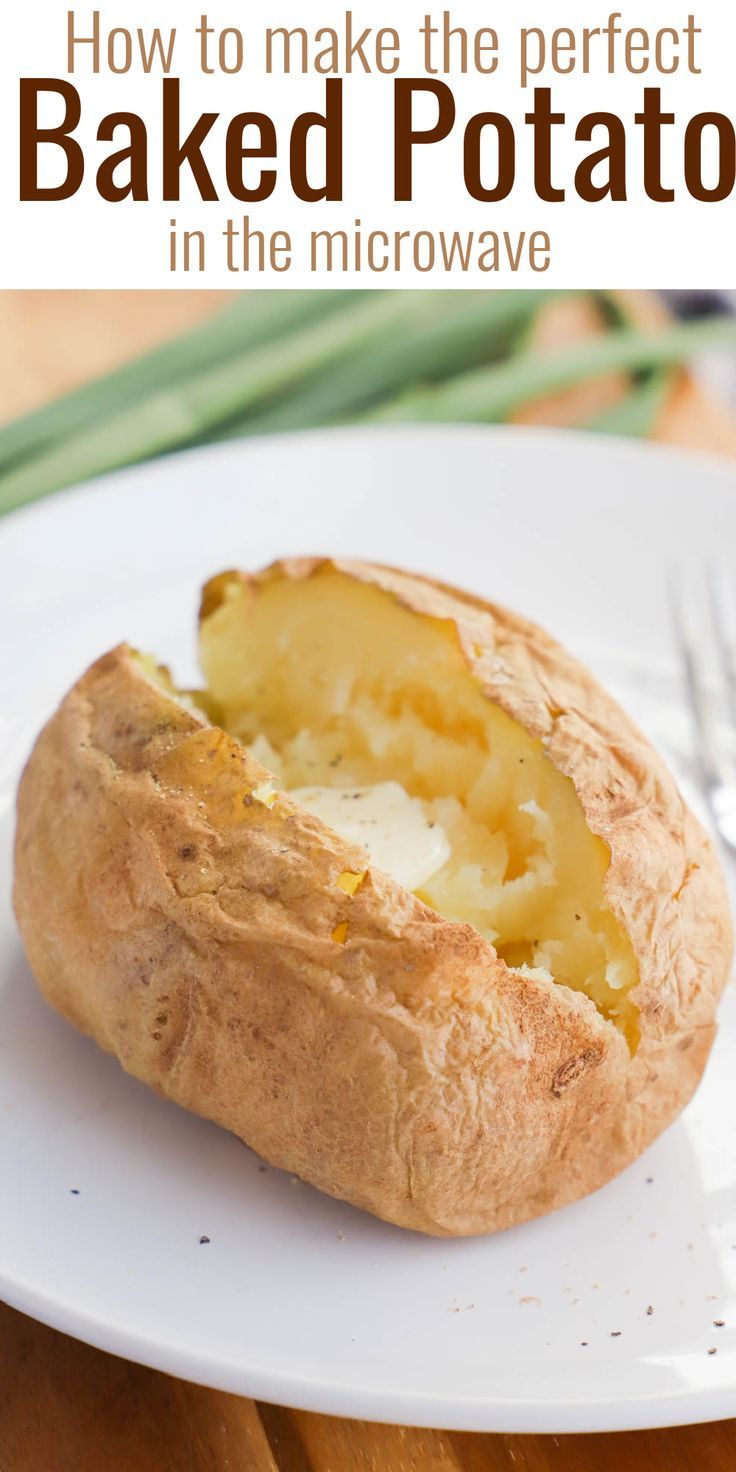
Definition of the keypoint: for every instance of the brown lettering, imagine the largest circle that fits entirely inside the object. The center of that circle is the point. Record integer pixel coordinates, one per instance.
(331, 122)
(506, 157)
(614, 154)
(31, 136)
(175, 153)
(542, 119)
(236, 152)
(726, 157)
(652, 120)
(135, 155)
(405, 135)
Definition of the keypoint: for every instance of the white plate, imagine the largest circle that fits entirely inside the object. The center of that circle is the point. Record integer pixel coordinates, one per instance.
(297, 1298)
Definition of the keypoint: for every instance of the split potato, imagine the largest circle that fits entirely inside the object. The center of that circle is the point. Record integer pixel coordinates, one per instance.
(403, 898)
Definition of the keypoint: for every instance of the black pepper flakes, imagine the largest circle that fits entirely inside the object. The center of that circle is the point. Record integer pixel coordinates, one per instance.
(719, 1323)
(650, 1310)
(713, 1350)
(74, 1191)
(203, 1240)
(615, 1333)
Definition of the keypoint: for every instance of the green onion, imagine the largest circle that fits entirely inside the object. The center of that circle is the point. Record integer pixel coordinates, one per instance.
(246, 323)
(636, 414)
(294, 359)
(490, 395)
(463, 329)
(183, 412)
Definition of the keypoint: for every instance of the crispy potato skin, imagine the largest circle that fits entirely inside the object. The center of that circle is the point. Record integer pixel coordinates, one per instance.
(187, 928)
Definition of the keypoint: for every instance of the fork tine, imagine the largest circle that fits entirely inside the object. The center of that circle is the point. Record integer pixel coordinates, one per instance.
(723, 618)
(714, 769)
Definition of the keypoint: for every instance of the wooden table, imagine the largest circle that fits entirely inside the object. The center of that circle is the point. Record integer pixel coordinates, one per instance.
(67, 1408)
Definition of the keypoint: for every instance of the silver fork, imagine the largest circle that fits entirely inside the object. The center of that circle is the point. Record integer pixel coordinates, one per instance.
(705, 634)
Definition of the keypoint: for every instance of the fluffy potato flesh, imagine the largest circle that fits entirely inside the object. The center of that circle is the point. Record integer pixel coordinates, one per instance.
(334, 683)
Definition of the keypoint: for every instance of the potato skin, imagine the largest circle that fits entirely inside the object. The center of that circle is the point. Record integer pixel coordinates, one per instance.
(188, 927)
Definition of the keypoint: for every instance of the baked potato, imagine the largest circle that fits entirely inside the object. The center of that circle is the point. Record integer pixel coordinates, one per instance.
(403, 898)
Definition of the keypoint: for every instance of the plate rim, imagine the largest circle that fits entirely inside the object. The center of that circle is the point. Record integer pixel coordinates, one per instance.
(404, 1407)
(507, 1416)
(557, 438)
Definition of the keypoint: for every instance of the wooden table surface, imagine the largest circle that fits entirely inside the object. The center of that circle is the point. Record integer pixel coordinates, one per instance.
(65, 1407)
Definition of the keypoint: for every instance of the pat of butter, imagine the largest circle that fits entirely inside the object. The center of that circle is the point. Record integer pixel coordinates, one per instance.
(390, 825)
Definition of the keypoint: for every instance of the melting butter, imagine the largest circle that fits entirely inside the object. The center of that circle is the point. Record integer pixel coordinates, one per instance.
(391, 826)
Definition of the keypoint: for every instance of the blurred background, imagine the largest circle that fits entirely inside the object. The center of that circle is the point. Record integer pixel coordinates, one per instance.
(91, 381)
